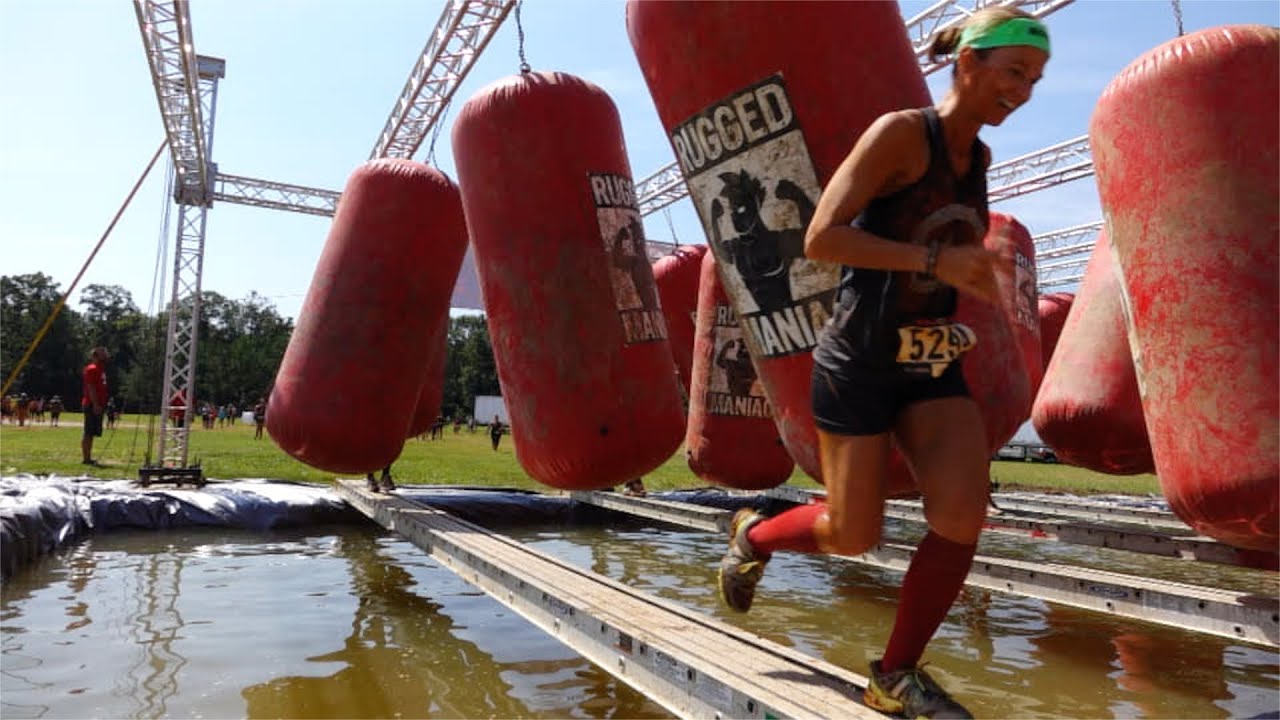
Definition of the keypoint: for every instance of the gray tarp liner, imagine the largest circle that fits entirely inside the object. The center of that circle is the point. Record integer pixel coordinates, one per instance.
(41, 514)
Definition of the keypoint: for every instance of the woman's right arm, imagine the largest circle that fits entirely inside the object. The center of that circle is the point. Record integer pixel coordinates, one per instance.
(889, 155)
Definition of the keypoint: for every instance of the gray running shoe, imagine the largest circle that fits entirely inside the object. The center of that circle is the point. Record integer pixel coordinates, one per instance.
(741, 568)
(911, 693)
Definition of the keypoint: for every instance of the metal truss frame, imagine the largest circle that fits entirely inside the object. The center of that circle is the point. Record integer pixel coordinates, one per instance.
(1067, 241)
(176, 74)
(461, 34)
(275, 195)
(182, 338)
(1069, 249)
(660, 189)
(316, 201)
(1061, 274)
(1054, 165)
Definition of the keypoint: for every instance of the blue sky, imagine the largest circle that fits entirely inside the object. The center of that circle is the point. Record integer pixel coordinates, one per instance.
(310, 83)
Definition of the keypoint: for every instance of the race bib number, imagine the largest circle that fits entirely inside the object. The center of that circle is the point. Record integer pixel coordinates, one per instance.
(934, 346)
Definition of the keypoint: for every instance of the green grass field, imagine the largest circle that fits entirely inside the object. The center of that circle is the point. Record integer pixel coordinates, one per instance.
(231, 452)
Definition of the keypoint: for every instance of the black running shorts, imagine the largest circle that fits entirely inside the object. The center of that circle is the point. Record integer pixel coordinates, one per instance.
(92, 423)
(868, 402)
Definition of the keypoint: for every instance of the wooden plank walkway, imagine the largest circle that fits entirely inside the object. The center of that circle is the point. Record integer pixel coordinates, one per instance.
(692, 664)
(1213, 611)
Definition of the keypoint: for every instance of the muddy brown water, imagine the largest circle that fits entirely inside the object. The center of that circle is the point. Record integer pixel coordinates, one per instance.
(348, 621)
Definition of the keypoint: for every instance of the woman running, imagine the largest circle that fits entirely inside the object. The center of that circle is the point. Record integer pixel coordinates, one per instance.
(905, 214)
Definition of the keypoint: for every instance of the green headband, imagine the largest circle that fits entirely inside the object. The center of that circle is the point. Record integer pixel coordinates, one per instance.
(1015, 31)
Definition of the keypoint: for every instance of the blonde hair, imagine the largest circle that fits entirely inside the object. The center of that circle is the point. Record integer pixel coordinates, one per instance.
(947, 42)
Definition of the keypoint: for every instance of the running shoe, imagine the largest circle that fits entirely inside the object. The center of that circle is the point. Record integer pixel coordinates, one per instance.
(911, 693)
(741, 568)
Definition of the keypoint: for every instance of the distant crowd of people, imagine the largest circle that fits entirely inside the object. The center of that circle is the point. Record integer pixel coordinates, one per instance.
(214, 415)
(436, 431)
(19, 409)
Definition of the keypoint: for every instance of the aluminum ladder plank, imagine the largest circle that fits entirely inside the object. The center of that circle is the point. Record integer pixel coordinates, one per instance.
(1147, 541)
(1148, 531)
(690, 663)
(1225, 613)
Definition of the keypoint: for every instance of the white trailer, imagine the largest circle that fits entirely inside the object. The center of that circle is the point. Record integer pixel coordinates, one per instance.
(489, 405)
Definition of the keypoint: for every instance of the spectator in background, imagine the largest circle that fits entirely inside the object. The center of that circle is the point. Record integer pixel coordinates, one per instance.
(93, 400)
(23, 407)
(111, 412)
(55, 409)
(259, 417)
(178, 408)
(495, 432)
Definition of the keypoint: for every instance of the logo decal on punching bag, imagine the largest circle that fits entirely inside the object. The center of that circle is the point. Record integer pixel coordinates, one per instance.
(752, 181)
(1024, 278)
(733, 387)
(634, 291)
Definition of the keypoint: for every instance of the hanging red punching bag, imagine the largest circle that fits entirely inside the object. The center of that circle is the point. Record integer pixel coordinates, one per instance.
(1185, 142)
(1018, 290)
(762, 101)
(578, 335)
(431, 397)
(731, 438)
(1053, 310)
(1088, 409)
(677, 278)
(354, 369)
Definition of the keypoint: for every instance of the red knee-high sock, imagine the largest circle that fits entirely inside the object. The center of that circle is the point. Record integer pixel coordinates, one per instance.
(791, 530)
(933, 582)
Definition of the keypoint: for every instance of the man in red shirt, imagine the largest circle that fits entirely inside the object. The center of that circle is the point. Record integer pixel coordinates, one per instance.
(93, 400)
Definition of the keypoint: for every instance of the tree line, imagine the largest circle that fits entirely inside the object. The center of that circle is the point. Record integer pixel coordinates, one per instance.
(240, 344)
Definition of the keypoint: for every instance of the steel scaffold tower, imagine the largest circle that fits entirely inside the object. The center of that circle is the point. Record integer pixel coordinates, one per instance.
(183, 335)
(186, 87)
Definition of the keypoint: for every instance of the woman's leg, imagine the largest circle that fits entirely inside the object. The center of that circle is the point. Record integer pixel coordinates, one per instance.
(944, 442)
(853, 445)
(946, 446)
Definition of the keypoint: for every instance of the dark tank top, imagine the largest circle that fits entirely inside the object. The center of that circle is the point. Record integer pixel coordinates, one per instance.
(872, 304)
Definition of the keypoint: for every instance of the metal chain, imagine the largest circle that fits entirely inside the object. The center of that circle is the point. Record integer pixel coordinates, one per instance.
(435, 133)
(1177, 16)
(524, 62)
(667, 213)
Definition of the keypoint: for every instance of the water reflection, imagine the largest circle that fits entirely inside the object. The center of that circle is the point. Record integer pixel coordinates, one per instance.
(356, 623)
(406, 656)
(234, 624)
(41, 662)
(400, 658)
(154, 626)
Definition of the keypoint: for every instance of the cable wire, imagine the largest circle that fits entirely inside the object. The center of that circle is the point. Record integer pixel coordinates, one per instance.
(62, 301)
